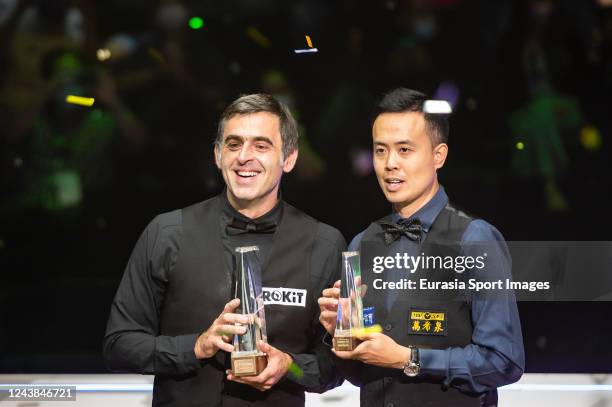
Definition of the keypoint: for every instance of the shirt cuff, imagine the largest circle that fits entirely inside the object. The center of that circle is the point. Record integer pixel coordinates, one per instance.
(434, 362)
(186, 345)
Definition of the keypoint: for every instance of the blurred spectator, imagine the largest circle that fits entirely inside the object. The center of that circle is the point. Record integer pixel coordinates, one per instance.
(65, 150)
(545, 123)
(31, 31)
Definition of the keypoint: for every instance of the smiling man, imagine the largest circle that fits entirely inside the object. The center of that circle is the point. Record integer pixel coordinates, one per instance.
(173, 314)
(436, 349)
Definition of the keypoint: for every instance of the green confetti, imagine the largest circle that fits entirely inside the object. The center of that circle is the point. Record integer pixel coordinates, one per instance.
(295, 370)
(196, 23)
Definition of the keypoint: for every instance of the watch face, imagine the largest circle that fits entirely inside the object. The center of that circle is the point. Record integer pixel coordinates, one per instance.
(412, 369)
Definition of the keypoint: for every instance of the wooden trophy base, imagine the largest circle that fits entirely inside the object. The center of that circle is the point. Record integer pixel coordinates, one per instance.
(345, 343)
(248, 365)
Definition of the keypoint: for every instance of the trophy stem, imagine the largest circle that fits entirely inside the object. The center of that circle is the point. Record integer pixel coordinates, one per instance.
(247, 359)
(350, 309)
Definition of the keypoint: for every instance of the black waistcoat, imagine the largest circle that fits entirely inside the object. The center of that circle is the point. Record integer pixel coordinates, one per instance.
(391, 387)
(199, 287)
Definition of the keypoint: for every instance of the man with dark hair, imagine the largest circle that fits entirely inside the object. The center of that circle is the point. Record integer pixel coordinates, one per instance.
(438, 349)
(404, 100)
(173, 315)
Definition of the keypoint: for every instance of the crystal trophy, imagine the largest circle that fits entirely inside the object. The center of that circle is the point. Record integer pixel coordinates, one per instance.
(247, 359)
(350, 308)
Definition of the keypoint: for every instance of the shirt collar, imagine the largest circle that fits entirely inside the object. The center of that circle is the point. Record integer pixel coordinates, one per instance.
(428, 213)
(228, 211)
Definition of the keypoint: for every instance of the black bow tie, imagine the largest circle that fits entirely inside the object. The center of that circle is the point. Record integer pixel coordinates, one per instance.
(238, 227)
(410, 228)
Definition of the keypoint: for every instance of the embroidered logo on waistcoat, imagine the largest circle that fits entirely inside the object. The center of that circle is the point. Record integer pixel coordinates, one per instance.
(427, 322)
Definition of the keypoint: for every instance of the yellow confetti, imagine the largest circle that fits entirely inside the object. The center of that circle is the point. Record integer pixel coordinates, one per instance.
(590, 138)
(156, 55)
(79, 100)
(308, 41)
(258, 37)
(368, 330)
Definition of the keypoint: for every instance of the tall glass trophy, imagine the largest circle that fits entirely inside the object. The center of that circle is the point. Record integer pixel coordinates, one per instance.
(247, 359)
(350, 308)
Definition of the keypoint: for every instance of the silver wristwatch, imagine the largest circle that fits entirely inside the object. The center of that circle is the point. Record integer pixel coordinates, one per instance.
(412, 366)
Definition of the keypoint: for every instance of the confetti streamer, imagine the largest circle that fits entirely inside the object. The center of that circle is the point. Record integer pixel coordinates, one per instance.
(368, 330)
(303, 51)
(79, 100)
(308, 41)
(295, 370)
(258, 37)
(156, 55)
(437, 107)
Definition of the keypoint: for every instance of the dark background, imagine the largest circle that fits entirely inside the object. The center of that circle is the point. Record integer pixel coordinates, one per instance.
(79, 184)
